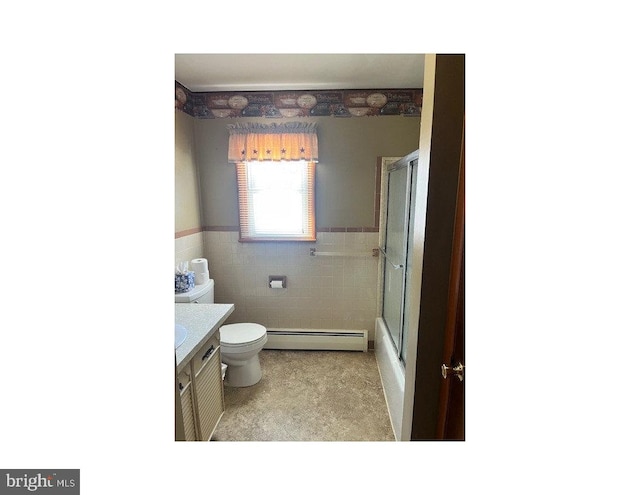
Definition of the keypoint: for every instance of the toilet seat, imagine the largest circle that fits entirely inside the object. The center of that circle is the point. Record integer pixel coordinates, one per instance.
(241, 334)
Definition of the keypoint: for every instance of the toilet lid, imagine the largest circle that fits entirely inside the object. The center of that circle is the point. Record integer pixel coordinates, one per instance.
(241, 333)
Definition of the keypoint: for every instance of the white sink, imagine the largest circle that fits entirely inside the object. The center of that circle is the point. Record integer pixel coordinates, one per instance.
(181, 334)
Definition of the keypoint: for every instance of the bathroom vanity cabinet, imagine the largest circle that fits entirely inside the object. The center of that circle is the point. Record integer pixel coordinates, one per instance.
(201, 392)
(198, 367)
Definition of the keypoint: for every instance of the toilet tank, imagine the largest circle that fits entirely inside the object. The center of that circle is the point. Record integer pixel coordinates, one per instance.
(199, 294)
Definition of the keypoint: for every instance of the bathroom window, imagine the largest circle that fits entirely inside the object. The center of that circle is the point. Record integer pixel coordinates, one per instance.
(276, 200)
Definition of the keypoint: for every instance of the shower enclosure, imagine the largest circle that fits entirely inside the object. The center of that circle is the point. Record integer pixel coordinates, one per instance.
(399, 283)
(396, 249)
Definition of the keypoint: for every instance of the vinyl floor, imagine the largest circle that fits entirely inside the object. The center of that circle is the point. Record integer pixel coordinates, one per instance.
(313, 396)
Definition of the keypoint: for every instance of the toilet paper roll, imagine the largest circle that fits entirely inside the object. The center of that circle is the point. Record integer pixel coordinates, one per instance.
(200, 265)
(201, 278)
(276, 284)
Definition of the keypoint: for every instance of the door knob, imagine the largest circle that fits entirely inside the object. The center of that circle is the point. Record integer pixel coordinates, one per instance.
(457, 370)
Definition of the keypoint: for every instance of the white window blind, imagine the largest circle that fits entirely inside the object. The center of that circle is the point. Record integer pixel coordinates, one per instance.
(276, 200)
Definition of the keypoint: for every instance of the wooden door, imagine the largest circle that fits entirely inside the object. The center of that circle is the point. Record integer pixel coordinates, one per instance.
(443, 247)
(450, 424)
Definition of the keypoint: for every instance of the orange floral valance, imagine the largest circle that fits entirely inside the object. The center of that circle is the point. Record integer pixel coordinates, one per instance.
(274, 142)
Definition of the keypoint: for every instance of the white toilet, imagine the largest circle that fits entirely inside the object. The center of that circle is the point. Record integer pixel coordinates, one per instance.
(240, 343)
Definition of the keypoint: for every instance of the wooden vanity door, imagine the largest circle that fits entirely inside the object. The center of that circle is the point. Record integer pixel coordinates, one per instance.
(187, 403)
(209, 393)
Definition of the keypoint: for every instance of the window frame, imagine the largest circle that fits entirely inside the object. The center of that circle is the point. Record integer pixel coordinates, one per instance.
(309, 228)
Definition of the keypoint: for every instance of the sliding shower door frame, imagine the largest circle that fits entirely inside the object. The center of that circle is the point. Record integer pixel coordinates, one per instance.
(389, 265)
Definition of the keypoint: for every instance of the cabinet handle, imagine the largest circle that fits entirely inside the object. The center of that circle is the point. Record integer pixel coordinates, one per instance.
(180, 387)
(208, 353)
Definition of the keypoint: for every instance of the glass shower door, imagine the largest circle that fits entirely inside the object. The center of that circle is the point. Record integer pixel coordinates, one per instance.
(395, 251)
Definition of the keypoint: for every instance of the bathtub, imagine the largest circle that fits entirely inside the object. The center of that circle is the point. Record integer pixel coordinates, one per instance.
(392, 375)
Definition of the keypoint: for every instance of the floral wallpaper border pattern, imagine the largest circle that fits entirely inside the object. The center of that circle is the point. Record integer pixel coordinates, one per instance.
(278, 104)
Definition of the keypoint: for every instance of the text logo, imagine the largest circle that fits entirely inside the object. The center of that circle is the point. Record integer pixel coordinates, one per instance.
(40, 481)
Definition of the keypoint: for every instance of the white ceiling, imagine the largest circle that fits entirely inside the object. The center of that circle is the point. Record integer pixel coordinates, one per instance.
(277, 72)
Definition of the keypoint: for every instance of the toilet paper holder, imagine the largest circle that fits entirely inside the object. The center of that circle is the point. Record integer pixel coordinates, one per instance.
(277, 281)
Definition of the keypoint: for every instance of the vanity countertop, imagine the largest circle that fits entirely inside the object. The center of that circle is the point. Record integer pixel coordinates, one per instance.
(202, 321)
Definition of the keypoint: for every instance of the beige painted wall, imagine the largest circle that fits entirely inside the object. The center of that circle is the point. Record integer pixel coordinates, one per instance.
(187, 196)
(345, 175)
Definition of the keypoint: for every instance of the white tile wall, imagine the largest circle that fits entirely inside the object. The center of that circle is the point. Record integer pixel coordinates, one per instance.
(322, 292)
(189, 247)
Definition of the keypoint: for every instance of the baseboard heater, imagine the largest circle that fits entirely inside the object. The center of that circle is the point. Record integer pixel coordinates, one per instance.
(313, 339)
